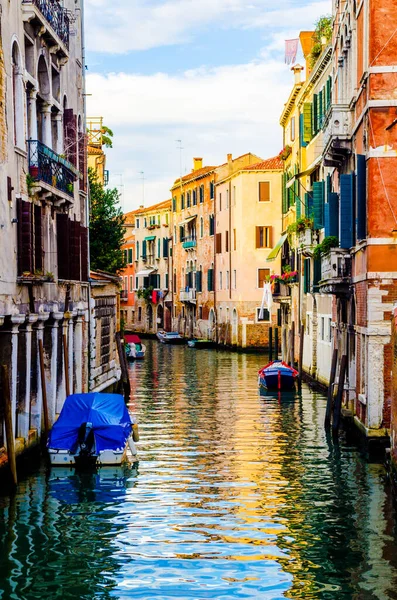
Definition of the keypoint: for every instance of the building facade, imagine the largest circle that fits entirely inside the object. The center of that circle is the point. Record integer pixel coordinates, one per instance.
(128, 287)
(248, 222)
(152, 297)
(44, 289)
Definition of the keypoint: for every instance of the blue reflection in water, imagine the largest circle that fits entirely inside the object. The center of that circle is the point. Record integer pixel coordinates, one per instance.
(237, 495)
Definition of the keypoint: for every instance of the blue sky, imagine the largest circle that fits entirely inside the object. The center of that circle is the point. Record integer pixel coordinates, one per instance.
(208, 72)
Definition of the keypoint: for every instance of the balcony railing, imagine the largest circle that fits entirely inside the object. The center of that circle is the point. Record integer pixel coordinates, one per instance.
(124, 295)
(189, 243)
(336, 271)
(188, 295)
(55, 15)
(47, 166)
(337, 133)
(281, 291)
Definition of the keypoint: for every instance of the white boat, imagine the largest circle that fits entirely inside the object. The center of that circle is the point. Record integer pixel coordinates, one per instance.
(93, 429)
(170, 337)
(134, 348)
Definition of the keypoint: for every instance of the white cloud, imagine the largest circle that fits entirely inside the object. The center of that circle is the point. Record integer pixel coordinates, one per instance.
(214, 111)
(125, 25)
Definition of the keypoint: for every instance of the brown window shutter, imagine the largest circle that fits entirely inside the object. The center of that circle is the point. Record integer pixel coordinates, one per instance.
(74, 245)
(270, 237)
(218, 243)
(38, 238)
(25, 237)
(227, 241)
(84, 252)
(264, 191)
(258, 237)
(63, 246)
(70, 129)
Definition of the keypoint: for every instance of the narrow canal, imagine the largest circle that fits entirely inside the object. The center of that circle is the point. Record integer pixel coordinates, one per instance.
(235, 496)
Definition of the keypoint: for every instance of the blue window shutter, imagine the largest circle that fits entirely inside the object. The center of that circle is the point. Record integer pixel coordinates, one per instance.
(361, 197)
(346, 211)
(318, 204)
(326, 219)
(309, 204)
(333, 209)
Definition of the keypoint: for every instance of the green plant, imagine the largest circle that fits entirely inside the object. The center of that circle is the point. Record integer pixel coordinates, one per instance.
(69, 187)
(29, 182)
(285, 152)
(38, 272)
(107, 135)
(49, 276)
(322, 33)
(145, 293)
(328, 242)
(300, 225)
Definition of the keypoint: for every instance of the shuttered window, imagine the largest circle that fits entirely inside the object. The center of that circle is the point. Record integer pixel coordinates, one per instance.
(284, 194)
(144, 249)
(83, 140)
(331, 215)
(74, 249)
(306, 276)
(210, 280)
(199, 281)
(218, 243)
(130, 256)
(263, 274)
(212, 224)
(315, 115)
(264, 191)
(307, 122)
(346, 211)
(227, 241)
(318, 204)
(84, 252)
(361, 198)
(38, 238)
(25, 237)
(263, 237)
(63, 237)
(182, 201)
(165, 247)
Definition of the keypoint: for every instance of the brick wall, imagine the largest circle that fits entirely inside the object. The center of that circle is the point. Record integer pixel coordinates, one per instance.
(393, 395)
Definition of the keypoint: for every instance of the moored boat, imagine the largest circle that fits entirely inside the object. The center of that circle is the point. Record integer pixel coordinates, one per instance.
(170, 337)
(92, 429)
(277, 375)
(201, 344)
(134, 348)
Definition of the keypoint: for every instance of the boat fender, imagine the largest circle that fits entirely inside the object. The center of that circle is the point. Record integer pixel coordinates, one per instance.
(132, 446)
(135, 432)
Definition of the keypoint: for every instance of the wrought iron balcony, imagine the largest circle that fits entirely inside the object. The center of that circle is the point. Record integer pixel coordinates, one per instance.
(336, 270)
(337, 134)
(49, 13)
(46, 166)
(304, 240)
(188, 295)
(189, 243)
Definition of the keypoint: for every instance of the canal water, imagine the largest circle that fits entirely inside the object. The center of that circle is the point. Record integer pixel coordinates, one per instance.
(235, 495)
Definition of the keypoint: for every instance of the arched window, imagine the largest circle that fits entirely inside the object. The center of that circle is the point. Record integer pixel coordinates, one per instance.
(18, 97)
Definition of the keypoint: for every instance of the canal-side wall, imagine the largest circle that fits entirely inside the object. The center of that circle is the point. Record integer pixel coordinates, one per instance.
(393, 416)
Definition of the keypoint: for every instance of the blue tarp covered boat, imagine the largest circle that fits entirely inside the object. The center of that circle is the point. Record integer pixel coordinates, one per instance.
(277, 375)
(93, 428)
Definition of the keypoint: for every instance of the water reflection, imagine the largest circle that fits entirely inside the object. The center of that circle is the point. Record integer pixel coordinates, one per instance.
(238, 495)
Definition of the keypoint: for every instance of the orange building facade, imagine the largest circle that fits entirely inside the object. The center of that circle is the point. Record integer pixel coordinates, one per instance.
(127, 295)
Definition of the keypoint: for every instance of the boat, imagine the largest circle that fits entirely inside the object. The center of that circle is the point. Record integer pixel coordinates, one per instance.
(134, 348)
(92, 429)
(277, 375)
(201, 344)
(170, 337)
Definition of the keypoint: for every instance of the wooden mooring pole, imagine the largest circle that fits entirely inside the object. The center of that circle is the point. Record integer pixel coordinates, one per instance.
(330, 398)
(66, 364)
(276, 343)
(293, 344)
(339, 395)
(11, 455)
(270, 344)
(43, 389)
(123, 366)
(301, 346)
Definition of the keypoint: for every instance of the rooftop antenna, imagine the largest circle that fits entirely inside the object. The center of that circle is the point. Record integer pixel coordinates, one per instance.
(120, 187)
(142, 173)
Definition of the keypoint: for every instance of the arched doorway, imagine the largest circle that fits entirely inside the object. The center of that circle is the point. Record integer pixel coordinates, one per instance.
(160, 317)
(149, 317)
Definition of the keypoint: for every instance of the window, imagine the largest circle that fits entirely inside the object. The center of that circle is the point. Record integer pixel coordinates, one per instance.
(136, 283)
(220, 202)
(220, 280)
(227, 242)
(158, 219)
(174, 204)
(139, 313)
(181, 233)
(130, 256)
(218, 243)
(201, 227)
(166, 281)
(263, 237)
(166, 219)
(212, 224)
(262, 275)
(265, 316)
(234, 240)
(201, 194)
(131, 283)
(145, 222)
(137, 223)
(212, 190)
(227, 280)
(195, 197)
(182, 201)
(158, 248)
(174, 235)
(323, 329)
(264, 191)
(200, 312)
(292, 129)
(188, 202)
(137, 250)
(235, 279)
(126, 284)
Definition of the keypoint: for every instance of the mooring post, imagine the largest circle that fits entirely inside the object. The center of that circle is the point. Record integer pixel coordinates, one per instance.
(270, 344)
(5, 384)
(43, 389)
(276, 343)
(66, 364)
(301, 346)
(293, 344)
(339, 395)
(327, 420)
(123, 366)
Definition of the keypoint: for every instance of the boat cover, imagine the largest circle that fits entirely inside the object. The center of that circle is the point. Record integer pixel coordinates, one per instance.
(111, 422)
(131, 338)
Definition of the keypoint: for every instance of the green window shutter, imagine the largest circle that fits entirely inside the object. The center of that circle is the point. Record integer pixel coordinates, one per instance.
(165, 247)
(320, 110)
(210, 280)
(302, 141)
(284, 194)
(315, 115)
(309, 205)
(318, 204)
(297, 200)
(137, 250)
(306, 278)
(144, 249)
(316, 273)
(166, 281)
(130, 255)
(174, 204)
(307, 122)
(158, 248)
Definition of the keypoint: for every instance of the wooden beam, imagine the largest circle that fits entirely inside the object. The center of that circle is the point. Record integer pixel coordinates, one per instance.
(66, 364)
(339, 395)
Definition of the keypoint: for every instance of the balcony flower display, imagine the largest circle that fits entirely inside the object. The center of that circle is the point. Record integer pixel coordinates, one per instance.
(288, 277)
(285, 152)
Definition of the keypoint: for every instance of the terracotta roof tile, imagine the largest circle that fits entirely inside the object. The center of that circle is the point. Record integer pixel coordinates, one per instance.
(194, 175)
(270, 164)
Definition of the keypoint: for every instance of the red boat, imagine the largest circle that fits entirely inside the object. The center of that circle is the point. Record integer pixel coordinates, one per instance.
(277, 375)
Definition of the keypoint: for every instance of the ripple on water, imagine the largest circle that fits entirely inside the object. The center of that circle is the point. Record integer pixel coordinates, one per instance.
(236, 495)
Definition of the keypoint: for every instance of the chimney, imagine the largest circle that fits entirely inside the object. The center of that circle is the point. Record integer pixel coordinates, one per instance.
(297, 69)
(197, 164)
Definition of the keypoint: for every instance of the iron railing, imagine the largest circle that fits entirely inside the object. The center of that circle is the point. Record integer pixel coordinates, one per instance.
(56, 17)
(46, 165)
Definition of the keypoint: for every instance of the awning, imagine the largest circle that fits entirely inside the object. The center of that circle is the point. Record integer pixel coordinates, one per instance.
(291, 182)
(187, 220)
(145, 272)
(150, 238)
(275, 252)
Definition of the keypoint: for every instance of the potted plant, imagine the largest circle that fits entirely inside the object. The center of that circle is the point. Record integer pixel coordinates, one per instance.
(69, 188)
(285, 152)
(326, 245)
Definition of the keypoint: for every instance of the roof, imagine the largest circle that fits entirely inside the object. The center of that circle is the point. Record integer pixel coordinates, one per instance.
(194, 175)
(270, 164)
(104, 277)
(95, 150)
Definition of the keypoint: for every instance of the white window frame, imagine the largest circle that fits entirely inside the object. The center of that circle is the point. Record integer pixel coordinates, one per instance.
(260, 321)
